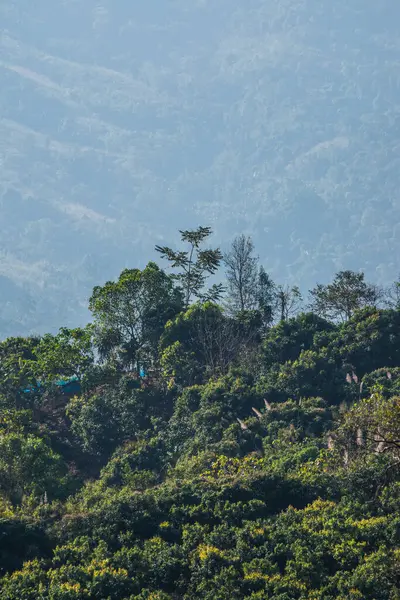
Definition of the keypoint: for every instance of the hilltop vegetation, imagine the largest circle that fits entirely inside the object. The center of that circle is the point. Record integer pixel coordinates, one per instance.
(120, 121)
(211, 449)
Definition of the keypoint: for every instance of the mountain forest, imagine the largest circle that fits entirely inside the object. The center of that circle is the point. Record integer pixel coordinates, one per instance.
(122, 120)
(211, 434)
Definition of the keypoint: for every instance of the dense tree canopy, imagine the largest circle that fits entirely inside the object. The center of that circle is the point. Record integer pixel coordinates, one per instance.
(129, 315)
(253, 460)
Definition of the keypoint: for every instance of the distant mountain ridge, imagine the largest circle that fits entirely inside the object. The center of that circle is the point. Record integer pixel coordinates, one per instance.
(122, 122)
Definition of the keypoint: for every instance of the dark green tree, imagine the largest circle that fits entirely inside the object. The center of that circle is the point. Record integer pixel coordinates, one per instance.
(130, 314)
(67, 354)
(199, 343)
(195, 265)
(340, 299)
(368, 341)
(286, 340)
(18, 371)
(266, 297)
(204, 342)
(115, 414)
(29, 466)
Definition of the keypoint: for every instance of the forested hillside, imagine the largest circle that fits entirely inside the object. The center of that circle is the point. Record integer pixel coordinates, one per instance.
(199, 442)
(122, 121)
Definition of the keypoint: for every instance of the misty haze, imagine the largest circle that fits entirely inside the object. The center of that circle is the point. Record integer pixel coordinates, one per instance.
(121, 122)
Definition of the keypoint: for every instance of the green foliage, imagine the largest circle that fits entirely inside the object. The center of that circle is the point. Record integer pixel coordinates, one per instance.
(311, 374)
(289, 338)
(340, 299)
(68, 354)
(309, 168)
(195, 265)
(17, 369)
(29, 466)
(115, 414)
(203, 342)
(136, 464)
(258, 462)
(373, 426)
(197, 344)
(368, 341)
(20, 541)
(129, 315)
(385, 381)
(266, 297)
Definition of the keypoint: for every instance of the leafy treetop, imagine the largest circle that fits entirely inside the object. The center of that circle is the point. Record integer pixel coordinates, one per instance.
(195, 265)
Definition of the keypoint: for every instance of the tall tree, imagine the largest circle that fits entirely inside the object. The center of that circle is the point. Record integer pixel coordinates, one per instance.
(130, 314)
(195, 265)
(288, 301)
(340, 299)
(242, 275)
(266, 297)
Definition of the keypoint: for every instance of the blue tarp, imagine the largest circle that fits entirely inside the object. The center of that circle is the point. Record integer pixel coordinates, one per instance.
(72, 382)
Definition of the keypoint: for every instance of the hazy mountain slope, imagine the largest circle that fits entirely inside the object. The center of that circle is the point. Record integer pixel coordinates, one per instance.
(122, 121)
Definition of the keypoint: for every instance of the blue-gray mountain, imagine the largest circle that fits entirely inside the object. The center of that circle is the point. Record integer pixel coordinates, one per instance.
(121, 122)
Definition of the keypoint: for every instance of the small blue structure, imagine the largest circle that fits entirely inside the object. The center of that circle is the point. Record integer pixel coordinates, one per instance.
(67, 387)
